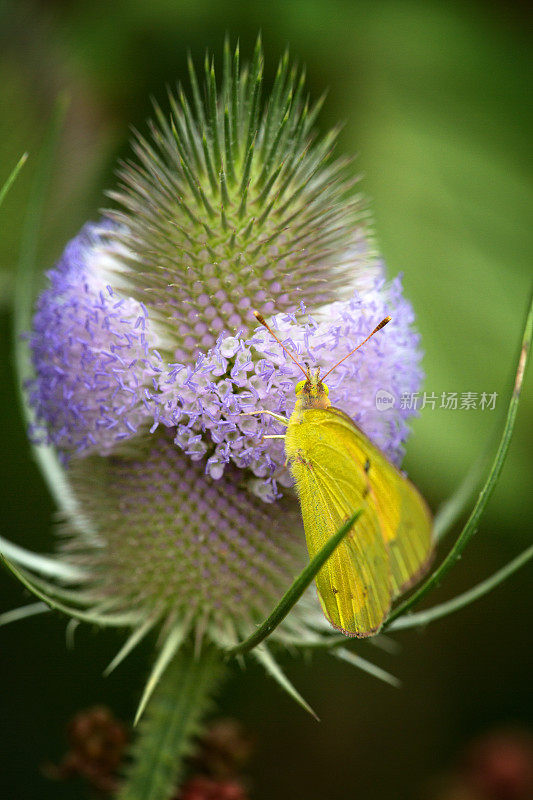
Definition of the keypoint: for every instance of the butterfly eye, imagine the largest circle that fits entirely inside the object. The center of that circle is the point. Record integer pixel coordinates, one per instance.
(299, 386)
(325, 387)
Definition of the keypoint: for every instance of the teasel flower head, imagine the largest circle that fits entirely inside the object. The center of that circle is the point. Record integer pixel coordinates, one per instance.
(146, 355)
(162, 461)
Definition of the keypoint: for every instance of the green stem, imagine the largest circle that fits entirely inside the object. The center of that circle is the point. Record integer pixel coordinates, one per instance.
(172, 720)
(471, 526)
(296, 590)
(25, 290)
(12, 177)
(465, 599)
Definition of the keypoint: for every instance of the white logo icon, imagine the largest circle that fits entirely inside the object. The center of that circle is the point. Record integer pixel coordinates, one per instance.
(384, 400)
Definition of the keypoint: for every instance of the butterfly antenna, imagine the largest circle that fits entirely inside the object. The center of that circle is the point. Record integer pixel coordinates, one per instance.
(265, 324)
(376, 329)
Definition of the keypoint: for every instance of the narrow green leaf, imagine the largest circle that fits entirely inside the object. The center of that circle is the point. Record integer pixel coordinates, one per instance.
(11, 179)
(314, 111)
(70, 630)
(293, 594)
(225, 199)
(214, 122)
(273, 669)
(276, 103)
(46, 457)
(385, 643)
(235, 103)
(130, 644)
(208, 207)
(462, 600)
(366, 666)
(197, 98)
(228, 148)
(192, 133)
(253, 90)
(168, 651)
(210, 167)
(48, 598)
(245, 180)
(23, 613)
(491, 481)
(42, 564)
(226, 71)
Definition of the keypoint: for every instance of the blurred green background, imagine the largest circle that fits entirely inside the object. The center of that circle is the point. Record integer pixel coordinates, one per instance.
(436, 103)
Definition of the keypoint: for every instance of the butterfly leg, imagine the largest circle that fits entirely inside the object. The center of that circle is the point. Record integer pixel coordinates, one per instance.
(278, 417)
(274, 436)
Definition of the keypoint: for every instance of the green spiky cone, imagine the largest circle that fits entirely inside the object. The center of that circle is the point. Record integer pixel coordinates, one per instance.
(179, 548)
(235, 204)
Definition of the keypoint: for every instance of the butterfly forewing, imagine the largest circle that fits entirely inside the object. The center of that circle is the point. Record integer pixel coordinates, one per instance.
(354, 586)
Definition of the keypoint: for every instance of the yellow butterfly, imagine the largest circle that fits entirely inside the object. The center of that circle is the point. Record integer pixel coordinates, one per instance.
(337, 471)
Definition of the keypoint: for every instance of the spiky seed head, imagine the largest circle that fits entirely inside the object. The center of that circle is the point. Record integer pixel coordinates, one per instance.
(179, 545)
(233, 203)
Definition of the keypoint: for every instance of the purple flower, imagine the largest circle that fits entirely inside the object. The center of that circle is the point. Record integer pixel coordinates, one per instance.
(94, 350)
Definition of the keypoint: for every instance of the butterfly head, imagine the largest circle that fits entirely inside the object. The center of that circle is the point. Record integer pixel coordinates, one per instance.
(312, 392)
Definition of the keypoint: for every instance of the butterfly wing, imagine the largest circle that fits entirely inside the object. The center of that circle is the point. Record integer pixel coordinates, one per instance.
(338, 470)
(354, 586)
(405, 519)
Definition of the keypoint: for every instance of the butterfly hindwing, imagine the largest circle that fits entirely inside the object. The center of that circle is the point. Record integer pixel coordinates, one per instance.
(406, 524)
(354, 586)
(405, 520)
(338, 470)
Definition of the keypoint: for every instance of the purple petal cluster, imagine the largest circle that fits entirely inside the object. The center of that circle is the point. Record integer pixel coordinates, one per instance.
(205, 401)
(93, 351)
